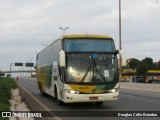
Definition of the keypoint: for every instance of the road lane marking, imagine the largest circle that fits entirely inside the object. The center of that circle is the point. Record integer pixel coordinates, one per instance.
(25, 79)
(126, 95)
(42, 105)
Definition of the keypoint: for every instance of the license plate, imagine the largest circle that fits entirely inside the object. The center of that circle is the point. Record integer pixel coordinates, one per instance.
(93, 98)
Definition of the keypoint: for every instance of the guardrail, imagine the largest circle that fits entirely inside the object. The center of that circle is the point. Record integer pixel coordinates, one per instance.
(141, 86)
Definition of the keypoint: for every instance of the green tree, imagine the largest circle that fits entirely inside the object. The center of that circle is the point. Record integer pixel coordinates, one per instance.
(149, 62)
(1, 74)
(134, 63)
(142, 70)
(158, 66)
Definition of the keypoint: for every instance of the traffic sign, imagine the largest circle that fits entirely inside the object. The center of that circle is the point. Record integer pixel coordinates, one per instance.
(18, 64)
(29, 64)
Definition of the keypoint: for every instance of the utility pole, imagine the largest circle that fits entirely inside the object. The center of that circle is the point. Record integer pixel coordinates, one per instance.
(120, 42)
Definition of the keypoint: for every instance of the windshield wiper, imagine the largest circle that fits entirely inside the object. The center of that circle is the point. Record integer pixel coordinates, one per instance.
(89, 69)
(93, 67)
(86, 74)
(101, 75)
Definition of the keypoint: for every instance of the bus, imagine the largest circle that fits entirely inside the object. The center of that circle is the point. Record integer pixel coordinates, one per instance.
(79, 68)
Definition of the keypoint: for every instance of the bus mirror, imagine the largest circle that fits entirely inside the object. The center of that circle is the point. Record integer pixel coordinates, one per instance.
(123, 57)
(62, 62)
(120, 52)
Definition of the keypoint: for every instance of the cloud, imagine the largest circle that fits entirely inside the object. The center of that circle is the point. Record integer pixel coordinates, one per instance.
(140, 28)
(26, 25)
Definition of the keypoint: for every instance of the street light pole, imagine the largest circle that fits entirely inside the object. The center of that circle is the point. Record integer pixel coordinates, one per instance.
(120, 41)
(31, 67)
(10, 69)
(63, 29)
(11, 64)
(45, 45)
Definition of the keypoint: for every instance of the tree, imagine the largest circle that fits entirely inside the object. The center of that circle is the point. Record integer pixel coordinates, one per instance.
(142, 70)
(148, 61)
(1, 74)
(158, 66)
(134, 63)
(154, 66)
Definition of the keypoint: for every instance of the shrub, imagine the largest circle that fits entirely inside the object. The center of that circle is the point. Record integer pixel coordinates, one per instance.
(6, 84)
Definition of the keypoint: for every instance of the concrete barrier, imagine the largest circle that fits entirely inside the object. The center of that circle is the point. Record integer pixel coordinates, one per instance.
(141, 86)
(18, 105)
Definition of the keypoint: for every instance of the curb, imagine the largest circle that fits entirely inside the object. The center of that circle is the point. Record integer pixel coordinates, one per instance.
(141, 87)
(41, 107)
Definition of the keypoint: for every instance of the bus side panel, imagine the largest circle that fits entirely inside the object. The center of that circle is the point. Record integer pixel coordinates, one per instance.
(56, 81)
(44, 64)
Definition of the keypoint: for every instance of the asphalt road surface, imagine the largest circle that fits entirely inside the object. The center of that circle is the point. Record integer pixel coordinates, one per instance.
(130, 100)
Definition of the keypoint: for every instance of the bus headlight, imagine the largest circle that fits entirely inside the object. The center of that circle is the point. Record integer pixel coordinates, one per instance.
(113, 90)
(71, 91)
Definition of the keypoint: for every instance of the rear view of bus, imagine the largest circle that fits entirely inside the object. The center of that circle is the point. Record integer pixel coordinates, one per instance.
(91, 69)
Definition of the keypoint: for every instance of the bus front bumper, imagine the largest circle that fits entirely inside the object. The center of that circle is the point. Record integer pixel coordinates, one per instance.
(70, 98)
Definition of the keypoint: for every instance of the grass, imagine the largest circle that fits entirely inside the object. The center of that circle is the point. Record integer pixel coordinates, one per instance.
(5, 92)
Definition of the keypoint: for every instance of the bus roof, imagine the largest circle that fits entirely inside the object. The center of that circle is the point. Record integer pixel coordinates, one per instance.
(72, 36)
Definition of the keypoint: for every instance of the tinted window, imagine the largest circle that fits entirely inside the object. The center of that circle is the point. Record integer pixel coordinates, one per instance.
(89, 45)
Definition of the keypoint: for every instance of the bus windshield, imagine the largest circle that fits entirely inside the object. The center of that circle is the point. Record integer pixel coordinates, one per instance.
(89, 45)
(91, 68)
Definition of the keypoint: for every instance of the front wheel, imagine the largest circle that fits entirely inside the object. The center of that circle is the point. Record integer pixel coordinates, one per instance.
(99, 103)
(59, 102)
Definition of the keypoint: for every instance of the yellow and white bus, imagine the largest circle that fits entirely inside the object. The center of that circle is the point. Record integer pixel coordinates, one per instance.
(79, 68)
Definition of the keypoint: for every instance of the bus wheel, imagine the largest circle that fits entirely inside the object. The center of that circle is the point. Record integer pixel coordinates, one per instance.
(99, 103)
(41, 91)
(59, 102)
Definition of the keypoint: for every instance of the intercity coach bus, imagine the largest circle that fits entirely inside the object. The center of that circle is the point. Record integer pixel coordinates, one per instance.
(79, 68)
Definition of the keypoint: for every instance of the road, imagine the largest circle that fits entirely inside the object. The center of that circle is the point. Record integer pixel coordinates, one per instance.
(130, 100)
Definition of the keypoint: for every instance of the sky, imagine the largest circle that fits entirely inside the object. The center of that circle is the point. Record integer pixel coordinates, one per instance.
(27, 24)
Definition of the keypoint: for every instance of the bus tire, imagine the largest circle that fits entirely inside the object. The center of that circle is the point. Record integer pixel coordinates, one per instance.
(59, 102)
(41, 91)
(99, 103)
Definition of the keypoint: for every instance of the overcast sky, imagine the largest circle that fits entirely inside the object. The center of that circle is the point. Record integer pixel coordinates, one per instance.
(27, 24)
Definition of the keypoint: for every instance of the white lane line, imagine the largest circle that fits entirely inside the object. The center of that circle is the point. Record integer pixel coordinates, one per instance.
(43, 106)
(126, 95)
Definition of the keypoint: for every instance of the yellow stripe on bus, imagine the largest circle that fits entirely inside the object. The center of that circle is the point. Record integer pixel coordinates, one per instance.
(86, 88)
